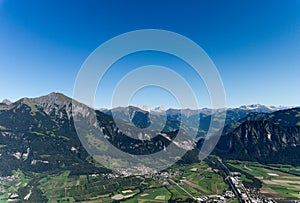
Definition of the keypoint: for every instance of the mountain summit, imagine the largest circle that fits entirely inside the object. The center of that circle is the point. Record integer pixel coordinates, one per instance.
(6, 102)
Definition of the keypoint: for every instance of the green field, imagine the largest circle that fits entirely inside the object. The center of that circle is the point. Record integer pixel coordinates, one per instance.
(195, 179)
(285, 191)
(12, 186)
(177, 192)
(280, 181)
(69, 188)
(153, 195)
(207, 181)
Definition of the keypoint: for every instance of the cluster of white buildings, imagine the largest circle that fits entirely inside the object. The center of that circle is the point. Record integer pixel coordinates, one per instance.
(228, 195)
(202, 199)
(9, 178)
(248, 195)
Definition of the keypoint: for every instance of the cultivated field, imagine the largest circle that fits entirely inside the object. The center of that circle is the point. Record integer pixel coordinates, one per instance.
(279, 181)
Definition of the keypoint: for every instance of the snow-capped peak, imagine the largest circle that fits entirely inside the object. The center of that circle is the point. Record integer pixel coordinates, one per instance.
(144, 108)
(159, 109)
(262, 108)
(7, 102)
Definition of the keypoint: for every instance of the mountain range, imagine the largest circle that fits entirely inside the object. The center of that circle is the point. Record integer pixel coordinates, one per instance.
(38, 134)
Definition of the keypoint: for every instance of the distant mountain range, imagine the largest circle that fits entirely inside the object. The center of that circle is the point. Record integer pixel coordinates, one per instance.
(38, 134)
(252, 108)
(140, 116)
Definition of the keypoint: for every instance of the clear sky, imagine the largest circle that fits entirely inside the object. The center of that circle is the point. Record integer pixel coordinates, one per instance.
(254, 44)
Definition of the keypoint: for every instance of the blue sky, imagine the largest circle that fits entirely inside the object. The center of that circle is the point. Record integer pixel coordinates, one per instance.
(254, 44)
